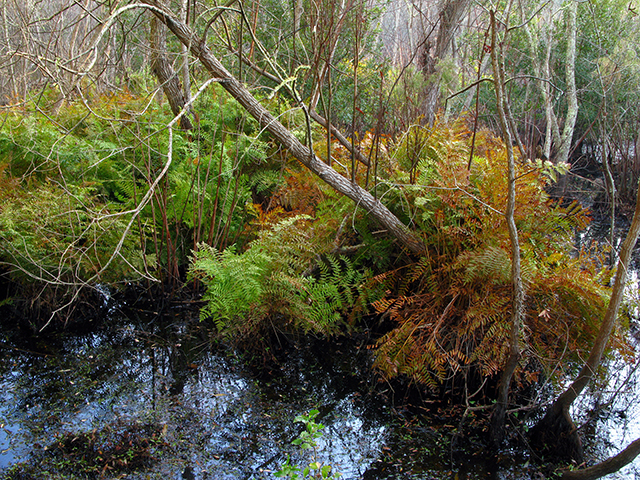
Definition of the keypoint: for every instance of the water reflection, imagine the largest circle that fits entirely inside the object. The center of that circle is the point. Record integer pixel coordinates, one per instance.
(608, 413)
(219, 420)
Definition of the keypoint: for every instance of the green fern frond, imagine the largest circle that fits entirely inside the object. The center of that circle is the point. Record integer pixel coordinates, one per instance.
(490, 264)
(234, 282)
(270, 280)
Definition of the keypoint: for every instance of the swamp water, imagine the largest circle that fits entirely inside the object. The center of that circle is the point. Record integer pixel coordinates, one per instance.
(145, 396)
(152, 398)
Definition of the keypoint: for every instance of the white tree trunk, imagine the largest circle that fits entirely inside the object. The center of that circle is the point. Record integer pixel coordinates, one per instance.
(570, 77)
(542, 70)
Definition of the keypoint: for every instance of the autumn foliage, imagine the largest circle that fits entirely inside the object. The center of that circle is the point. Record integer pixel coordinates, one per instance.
(450, 309)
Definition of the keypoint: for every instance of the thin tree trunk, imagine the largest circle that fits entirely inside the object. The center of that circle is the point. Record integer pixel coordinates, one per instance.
(553, 136)
(298, 10)
(12, 89)
(186, 74)
(548, 107)
(301, 152)
(610, 185)
(499, 412)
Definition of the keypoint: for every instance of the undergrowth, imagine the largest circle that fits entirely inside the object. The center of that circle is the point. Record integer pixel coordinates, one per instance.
(278, 252)
(279, 285)
(451, 308)
(73, 179)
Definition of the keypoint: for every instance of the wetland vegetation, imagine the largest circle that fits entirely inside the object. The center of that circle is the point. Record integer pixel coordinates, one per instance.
(200, 272)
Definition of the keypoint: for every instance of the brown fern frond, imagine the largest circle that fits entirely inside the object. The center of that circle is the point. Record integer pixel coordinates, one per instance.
(452, 308)
(301, 194)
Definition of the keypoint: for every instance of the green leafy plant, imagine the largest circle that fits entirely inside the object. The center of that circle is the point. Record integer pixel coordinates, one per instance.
(59, 235)
(271, 284)
(72, 181)
(307, 440)
(235, 282)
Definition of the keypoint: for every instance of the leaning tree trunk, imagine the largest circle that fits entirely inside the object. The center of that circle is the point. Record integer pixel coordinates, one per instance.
(267, 121)
(315, 116)
(555, 435)
(500, 408)
(610, 465)
(164, 72)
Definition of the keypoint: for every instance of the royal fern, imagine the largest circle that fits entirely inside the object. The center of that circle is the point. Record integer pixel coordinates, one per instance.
(452, 307)
(235, 282)
(271, 283)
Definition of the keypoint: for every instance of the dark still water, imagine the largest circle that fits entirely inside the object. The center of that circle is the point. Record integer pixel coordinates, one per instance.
(150, 397)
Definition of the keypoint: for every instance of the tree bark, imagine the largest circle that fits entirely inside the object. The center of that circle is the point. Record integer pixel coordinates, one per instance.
(606, 467)
(186, 74)
(301, 152)
(450, 14)
(555, 434)
(11, 89)
(570, 76)
(164, 72)
(554, 137)
(499, 412)
(315, 116)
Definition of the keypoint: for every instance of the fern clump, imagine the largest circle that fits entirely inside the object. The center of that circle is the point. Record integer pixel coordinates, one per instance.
(270, 285)
(452, 308)
(236, 282)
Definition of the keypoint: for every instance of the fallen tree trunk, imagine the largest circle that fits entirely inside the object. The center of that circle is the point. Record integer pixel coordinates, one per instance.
(344, 141)
(315, 116)
(301, 152)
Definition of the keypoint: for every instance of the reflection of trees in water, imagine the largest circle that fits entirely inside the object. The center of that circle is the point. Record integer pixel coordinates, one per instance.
(211, 409)
(609, 409)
